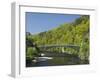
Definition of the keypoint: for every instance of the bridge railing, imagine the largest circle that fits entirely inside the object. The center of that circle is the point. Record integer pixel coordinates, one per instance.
(62, 48)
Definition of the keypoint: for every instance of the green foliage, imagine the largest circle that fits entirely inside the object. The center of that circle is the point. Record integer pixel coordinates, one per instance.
(31, 52)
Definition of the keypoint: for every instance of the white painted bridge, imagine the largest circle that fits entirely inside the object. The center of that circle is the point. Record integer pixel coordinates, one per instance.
(44, 47)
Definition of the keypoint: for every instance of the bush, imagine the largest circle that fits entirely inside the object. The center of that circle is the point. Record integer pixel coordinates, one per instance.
(31, 53)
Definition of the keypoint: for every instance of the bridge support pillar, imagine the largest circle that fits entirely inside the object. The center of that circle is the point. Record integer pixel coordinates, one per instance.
(63, 49)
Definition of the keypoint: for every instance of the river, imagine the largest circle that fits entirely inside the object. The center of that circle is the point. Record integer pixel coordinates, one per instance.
(55, 60)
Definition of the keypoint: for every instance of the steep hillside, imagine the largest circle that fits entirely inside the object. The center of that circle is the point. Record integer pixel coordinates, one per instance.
(68, 33)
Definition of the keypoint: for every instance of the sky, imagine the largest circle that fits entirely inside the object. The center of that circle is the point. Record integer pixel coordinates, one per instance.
(40, 22)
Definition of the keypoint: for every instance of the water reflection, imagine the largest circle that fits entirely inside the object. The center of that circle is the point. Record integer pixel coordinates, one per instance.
(55, 61)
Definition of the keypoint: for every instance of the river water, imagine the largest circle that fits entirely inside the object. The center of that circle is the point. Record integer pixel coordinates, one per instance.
(56, 61)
